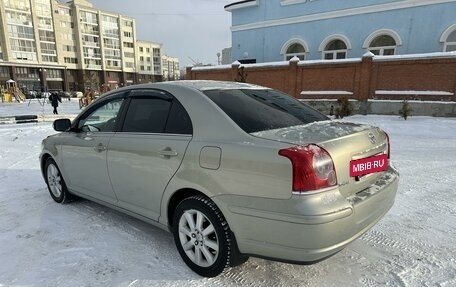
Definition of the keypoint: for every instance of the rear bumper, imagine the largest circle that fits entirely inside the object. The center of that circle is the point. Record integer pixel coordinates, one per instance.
(309, 228)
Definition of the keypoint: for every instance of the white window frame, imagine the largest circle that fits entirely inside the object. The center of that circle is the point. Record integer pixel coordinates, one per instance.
(382, 32)
(381, 49)
(290, 42)
(334, 53)
(443, 39)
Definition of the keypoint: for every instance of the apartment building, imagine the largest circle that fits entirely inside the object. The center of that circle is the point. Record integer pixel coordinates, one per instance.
(51, 45)
(149, 61)
(170, 68)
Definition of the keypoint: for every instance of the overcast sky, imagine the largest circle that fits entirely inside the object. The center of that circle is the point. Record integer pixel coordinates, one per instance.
(196, 29)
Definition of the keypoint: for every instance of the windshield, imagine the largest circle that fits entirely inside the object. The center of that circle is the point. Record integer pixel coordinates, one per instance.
(260, 110)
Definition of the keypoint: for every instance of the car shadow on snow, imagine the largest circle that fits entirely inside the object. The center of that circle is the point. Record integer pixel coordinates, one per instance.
(84, 242)
(89, 244)
(138, 249)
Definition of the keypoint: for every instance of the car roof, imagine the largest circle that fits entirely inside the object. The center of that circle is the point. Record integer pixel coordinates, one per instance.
(204, 85)
(201, 85)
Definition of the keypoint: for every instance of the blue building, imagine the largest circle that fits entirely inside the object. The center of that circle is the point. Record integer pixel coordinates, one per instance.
(276, 30)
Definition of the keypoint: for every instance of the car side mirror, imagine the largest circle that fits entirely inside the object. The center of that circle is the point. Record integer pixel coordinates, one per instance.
(62, 125)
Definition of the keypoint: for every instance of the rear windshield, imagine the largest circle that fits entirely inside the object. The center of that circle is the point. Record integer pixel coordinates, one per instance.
(260, 110)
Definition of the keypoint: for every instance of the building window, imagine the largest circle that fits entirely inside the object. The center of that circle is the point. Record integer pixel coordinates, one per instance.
(64, 11)
(92, 63)
(4, 72)
(21, 32)
(297, 50)
(45, 23)
(54, 74)
(383, 42)
(66, 36)
(294, 47)
(69, 48)
(69, 60)
(383, 45)
(450, 43)
(111, 43)
(48, 48)
(336, 49)
(128, 45)
(88, 17)
(141, 49)
(46, 36)
(129, 55)
(47, 58)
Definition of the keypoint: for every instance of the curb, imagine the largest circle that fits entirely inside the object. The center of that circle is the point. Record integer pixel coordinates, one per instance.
(19, 119)
(25, 119)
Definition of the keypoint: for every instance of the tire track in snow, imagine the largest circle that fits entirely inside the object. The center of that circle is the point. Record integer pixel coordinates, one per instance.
(270, 273)
(416, 247)
(418, 263)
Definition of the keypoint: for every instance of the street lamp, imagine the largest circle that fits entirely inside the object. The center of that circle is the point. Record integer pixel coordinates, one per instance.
(218, 58)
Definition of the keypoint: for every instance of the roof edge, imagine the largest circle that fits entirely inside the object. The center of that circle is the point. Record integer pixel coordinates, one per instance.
(241, 4)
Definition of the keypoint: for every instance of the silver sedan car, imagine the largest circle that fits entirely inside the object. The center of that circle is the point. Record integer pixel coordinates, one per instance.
(231, 169)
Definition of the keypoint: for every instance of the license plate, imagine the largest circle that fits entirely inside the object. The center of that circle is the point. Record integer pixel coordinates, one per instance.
(368, 165)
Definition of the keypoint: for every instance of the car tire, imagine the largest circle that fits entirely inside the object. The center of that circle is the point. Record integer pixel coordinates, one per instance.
(202, 236)
(55, 182)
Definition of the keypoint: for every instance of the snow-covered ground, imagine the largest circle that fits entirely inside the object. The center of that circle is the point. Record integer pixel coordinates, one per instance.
(41, 108)
(43, 243)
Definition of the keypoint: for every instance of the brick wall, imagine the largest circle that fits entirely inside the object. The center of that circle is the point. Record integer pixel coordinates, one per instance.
(413, 77)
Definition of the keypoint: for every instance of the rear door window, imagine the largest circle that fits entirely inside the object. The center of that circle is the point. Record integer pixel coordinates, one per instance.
(263, 109)
(146, 115)
(156, 112)
(178, 120)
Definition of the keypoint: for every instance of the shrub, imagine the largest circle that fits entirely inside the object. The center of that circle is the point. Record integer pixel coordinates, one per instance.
(241, 75)
(405, 111)
(344, 108)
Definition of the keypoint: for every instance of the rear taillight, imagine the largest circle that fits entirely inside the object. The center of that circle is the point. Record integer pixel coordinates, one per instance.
(313, 168)
(388, 141)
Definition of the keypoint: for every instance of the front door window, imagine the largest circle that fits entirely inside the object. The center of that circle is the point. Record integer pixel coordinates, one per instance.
(103, 119)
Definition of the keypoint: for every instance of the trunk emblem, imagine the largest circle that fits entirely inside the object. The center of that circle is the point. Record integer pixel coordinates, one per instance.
(372, 137)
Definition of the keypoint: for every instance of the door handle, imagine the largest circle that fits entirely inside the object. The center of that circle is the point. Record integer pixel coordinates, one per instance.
(167, 152)
(99, 148)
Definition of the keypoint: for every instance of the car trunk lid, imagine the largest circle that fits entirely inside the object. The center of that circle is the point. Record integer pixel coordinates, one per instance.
(344, 141)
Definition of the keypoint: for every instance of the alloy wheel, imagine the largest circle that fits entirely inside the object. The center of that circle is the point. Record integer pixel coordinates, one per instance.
(198, 238)
(54, 180)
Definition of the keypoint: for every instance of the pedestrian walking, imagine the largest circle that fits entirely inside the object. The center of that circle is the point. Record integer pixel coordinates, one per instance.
(55, 98)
